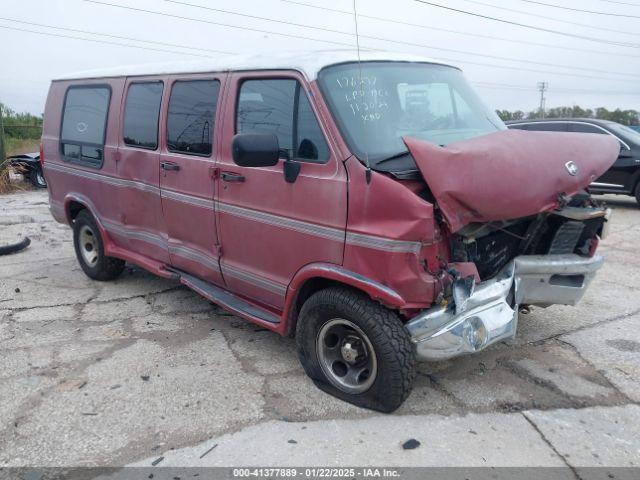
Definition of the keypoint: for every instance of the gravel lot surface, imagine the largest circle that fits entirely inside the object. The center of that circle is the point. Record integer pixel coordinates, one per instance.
(142, 368)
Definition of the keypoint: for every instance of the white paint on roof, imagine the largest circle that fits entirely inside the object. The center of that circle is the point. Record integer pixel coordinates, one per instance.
(309, 63)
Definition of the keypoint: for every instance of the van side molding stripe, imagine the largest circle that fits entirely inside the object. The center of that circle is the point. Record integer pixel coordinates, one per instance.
(253, 279)
(194, 255)
(381, 243)
(330, 233)
(283, 222)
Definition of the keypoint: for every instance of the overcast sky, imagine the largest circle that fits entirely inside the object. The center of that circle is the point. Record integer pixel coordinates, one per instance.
(30, 60)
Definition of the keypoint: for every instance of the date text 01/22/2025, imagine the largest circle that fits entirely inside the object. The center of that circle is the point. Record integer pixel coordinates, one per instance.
(319, 472)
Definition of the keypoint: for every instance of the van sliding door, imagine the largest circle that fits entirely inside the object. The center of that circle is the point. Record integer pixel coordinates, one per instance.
(140, 226)
(187, 175)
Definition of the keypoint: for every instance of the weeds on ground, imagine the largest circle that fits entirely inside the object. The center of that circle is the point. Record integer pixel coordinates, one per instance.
(6, 186)
(16, 146)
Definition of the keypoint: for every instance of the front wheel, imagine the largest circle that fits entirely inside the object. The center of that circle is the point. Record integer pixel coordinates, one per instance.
(355, 349)
(638, 193)
(89, 247)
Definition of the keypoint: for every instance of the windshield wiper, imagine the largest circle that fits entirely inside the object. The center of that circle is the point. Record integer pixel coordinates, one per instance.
(393, 157)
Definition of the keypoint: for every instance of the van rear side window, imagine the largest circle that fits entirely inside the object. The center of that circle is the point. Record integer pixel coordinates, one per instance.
(84, 122)
(141, 113)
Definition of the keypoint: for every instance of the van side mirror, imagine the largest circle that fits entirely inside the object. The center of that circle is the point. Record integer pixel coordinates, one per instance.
(255, 150)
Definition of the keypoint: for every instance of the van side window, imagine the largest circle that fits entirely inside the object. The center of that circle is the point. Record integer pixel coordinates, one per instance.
(141, 113)
(192, 112)
(585, 128)
(84, 122)
(281, 107)
(549, 127)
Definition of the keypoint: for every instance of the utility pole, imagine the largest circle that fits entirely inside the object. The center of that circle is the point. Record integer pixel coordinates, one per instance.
(3, 153)
(542, 86)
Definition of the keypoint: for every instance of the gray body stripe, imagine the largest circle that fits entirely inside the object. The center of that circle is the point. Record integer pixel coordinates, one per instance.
(283, 222)
(254, 279)
(135, 234)
(159, 241)
(330, 233)
(118, 182)
(195, 255)
(381, 243)
(190, 199)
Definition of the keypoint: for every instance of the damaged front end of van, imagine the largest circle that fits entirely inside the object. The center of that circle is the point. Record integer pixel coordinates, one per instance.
(515, 206)
(502, 216)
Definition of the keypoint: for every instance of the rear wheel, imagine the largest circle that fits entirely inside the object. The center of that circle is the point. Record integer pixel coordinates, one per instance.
(355, 349)
(89, 247)
(638, 193)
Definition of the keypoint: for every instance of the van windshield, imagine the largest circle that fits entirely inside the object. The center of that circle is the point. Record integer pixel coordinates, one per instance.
(377, 103)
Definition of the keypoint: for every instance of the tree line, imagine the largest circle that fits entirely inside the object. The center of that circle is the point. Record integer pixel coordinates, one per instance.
(18, 131)
(20, 125)
(625, 117)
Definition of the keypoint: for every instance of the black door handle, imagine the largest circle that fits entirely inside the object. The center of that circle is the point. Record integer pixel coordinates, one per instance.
(169, 166)
(232, 177)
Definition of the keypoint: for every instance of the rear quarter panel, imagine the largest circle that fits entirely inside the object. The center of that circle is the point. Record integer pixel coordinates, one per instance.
(64, 184)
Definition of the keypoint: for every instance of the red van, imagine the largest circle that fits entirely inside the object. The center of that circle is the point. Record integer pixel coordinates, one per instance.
(373, 208)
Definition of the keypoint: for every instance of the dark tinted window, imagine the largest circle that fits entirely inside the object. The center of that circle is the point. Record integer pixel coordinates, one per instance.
(141, 114)
(192, 110)
(84, 121)
(584, 128)
(310, 142)
(266, 106)
(519, 127)
(548, 127)
(269, 106)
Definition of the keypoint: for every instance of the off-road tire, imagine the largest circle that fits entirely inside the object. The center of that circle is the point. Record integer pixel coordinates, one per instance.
(394, 350)
(105, 268)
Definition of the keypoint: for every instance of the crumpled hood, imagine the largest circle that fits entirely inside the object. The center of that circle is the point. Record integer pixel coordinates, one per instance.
(510, 174)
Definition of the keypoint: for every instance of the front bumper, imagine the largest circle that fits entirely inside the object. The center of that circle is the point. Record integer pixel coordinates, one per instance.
(487, 313)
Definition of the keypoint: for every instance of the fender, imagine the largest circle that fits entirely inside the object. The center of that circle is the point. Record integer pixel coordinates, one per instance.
(377, 291)
(88, 204)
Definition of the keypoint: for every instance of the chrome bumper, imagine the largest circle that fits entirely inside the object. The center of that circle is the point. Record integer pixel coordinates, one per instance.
(487, 313)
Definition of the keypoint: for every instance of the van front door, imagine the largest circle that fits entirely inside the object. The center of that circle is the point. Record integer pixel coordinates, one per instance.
(270, 228)
(187, 183)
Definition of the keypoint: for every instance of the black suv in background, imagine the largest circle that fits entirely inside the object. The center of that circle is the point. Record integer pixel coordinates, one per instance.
(624, 176)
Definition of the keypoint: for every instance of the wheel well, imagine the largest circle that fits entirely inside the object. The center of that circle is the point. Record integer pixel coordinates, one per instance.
(74, 208)
(308, 288)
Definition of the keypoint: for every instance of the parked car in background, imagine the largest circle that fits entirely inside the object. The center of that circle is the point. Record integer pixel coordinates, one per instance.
(624, 175)
(28, 164)
(371, 206)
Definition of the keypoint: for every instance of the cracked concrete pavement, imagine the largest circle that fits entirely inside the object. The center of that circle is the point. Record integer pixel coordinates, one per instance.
(127, 372)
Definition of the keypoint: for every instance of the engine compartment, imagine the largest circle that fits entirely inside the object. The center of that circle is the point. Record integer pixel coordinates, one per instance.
(574, 228)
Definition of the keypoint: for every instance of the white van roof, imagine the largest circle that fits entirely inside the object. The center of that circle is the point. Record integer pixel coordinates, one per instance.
(309, 63)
